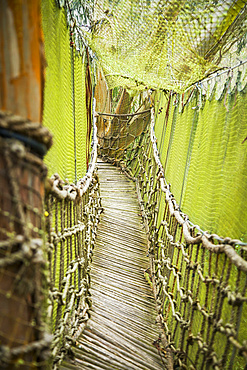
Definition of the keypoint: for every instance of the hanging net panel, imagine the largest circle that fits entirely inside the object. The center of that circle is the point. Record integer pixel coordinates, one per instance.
(204, 154)
(65, 103)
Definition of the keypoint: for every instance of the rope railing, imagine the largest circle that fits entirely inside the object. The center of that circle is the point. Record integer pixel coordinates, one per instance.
(72, 216)
(118, 131)
(199, 280)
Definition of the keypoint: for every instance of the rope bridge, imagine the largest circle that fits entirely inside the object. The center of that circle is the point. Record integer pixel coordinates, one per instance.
(198, 279)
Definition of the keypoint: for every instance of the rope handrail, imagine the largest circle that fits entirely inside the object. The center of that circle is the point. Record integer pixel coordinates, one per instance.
(123, 114)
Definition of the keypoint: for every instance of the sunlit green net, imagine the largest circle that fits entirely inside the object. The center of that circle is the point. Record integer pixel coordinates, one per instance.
(164, 44)
(204, 157)
(65, 111)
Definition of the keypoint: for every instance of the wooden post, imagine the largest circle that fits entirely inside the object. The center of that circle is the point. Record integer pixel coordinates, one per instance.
(24, 342)
(23, 337)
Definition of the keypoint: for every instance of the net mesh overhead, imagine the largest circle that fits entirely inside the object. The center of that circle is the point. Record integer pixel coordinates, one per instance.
(164, 44)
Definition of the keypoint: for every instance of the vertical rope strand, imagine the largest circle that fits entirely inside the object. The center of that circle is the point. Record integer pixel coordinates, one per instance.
(73, 98)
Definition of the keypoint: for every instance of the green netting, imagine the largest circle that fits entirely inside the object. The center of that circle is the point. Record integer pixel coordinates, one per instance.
(164, 44)
(204, 157)
(65, 97)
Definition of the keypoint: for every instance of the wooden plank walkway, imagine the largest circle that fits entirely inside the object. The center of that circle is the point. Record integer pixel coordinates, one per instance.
(122, 329)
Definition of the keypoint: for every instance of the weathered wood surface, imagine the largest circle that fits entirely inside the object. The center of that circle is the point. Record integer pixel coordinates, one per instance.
(122, 329)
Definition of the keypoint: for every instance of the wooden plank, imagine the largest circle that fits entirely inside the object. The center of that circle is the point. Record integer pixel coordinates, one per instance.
(122, 329)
